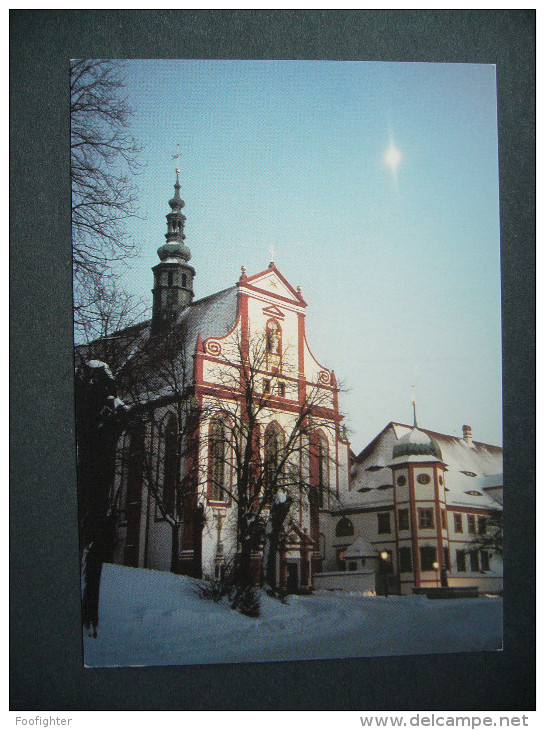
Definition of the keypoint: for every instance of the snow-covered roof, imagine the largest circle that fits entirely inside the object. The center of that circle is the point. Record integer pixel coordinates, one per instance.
(470, 468)
(212, 316)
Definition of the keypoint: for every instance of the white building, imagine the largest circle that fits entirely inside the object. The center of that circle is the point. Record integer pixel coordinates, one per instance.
(421, 497)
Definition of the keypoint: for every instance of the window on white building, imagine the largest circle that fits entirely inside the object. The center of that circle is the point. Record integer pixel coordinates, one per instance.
(344, 527)
(219, 461)
(461, 561)
(383, 522)
(428, 556)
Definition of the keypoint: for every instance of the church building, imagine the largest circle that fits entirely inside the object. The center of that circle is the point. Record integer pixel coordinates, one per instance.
(242, 349)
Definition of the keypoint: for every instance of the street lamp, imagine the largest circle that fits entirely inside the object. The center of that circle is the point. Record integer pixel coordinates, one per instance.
(436, 568)
(385, 557)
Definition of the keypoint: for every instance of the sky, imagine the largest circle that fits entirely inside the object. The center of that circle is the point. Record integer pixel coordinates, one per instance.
(377, 185)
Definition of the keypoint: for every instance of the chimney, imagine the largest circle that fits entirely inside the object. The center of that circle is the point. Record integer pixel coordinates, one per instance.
(468, 438)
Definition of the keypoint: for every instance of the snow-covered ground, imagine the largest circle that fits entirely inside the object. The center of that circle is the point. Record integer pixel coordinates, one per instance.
(152, 618)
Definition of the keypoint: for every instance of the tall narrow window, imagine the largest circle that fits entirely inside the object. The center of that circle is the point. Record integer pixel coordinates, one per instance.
(405, 562)
(403, 519)
(219, 464)
(461, 561)
(170, 278)
(323, 469)
(383, 522)
(170, 466)
(428, 556)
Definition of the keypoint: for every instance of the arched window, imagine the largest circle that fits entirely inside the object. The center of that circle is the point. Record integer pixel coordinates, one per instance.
(219, 461)
(323, 469)
(170, 278)
(344, 528)
(171, 466)
(274, 443)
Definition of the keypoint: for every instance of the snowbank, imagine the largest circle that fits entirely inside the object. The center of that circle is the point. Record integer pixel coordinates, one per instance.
(153, 618)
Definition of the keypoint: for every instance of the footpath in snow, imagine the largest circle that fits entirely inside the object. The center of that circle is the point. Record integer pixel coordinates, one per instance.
(152, 618)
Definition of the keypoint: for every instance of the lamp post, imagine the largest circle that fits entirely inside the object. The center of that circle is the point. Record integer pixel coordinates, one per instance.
(385, 556)
(436, 568)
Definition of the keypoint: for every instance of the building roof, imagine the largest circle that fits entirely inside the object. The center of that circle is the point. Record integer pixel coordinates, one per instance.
(471, 469)
(212, 316)
(416, 446)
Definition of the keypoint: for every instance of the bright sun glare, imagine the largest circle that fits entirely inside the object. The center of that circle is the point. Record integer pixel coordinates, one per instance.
(392, 157)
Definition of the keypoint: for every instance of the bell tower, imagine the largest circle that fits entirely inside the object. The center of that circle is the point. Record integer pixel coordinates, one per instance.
(173, 276)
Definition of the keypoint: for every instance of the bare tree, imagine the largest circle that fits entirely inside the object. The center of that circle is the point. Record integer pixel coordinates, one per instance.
(268, 480)
(100, 417)
(104, 161)
(491, 537)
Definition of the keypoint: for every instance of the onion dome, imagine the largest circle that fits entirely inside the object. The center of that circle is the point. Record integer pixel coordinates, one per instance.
(416, 446)
(174, 251)
(176, 203)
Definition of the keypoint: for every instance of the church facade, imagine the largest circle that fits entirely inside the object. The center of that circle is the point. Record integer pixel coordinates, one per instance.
(240, 350)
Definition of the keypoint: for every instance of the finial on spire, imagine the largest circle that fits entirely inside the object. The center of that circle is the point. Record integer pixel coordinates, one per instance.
(271, 262)
(414, 405)
(178, 157)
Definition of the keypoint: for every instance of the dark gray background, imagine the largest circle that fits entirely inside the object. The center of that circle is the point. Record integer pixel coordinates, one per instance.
(46, 654)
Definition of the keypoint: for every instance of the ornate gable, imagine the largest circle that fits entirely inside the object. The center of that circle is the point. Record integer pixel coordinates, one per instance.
(272, 283)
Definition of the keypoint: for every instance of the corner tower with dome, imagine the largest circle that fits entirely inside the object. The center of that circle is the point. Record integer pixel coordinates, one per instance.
(418, 477)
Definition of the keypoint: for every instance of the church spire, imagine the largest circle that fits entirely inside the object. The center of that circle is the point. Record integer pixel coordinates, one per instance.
(173, 276)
